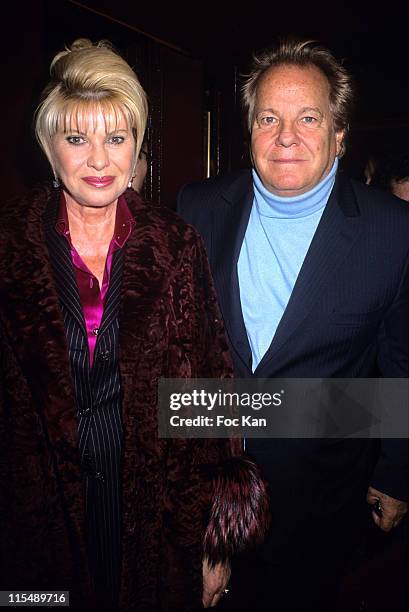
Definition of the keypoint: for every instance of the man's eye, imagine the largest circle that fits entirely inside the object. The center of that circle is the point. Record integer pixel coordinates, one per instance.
(309, 120)
(116, 140)
(267, 121)
(75, 140)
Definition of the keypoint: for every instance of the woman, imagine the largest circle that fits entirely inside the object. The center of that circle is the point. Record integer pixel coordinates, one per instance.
(102, 294)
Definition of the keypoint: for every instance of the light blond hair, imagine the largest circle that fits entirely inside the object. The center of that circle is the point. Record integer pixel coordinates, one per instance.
(302, 53)
(88, 79)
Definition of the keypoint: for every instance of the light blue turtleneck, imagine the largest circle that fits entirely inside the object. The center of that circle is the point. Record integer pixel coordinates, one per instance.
(277, 238)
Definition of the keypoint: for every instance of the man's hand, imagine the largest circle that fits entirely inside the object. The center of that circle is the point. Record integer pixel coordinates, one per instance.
(393, 510)
(215, 580)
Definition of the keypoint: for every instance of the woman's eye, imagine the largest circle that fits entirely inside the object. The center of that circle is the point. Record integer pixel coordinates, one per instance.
(75, 140)
(116, 140)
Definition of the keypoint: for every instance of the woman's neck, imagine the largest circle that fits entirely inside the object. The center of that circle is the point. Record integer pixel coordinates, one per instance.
(91, 224)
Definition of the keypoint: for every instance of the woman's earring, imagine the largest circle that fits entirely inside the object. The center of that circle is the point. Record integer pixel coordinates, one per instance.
(56, 182)
(131, 179)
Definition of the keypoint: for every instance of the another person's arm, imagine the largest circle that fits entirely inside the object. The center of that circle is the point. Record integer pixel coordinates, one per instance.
(389, 483)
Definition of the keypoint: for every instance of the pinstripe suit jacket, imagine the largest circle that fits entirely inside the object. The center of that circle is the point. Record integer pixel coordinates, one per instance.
(347, 317)
(98, 404)
(168, 325)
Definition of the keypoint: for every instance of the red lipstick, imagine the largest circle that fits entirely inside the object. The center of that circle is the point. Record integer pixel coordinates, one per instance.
(98, 181)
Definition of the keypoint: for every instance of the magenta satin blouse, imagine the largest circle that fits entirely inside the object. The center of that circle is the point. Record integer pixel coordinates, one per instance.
(92, 296)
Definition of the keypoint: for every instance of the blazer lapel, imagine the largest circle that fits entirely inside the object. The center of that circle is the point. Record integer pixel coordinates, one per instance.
(337, 231)
(228, 233)
(64, 274)
(113, 297)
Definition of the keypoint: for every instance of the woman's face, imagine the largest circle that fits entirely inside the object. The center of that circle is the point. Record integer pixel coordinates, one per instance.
(95, 159)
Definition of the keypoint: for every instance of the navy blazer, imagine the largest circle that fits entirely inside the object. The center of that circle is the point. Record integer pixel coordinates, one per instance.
(347, 315)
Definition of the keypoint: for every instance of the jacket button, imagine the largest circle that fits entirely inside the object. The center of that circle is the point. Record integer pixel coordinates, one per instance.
(84, 412)
(99, 476)
(104, 355)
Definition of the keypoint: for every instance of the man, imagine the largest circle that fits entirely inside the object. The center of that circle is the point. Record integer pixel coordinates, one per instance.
(392, 174)
(312, 276)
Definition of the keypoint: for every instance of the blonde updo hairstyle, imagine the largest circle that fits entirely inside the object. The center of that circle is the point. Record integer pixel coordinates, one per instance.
(90, 79)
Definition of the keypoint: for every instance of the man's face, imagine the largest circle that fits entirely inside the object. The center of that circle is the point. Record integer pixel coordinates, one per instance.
(293, 140)
(401, 189)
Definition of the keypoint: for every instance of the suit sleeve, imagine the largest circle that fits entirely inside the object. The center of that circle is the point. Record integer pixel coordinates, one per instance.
(391, 472)
(193, 208)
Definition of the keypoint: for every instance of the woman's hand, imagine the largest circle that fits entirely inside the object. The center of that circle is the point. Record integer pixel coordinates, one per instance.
(215, 580)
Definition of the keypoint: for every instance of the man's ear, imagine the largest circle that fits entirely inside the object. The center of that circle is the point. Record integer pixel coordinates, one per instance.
(251, 154)
(339, 137)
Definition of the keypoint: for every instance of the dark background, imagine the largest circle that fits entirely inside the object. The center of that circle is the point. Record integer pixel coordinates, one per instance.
(189, 57)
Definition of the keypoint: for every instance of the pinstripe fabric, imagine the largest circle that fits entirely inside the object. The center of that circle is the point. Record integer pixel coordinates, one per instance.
(97, 393)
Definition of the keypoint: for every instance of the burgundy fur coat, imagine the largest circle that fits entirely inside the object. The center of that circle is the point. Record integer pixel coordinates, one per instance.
(169, 326)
